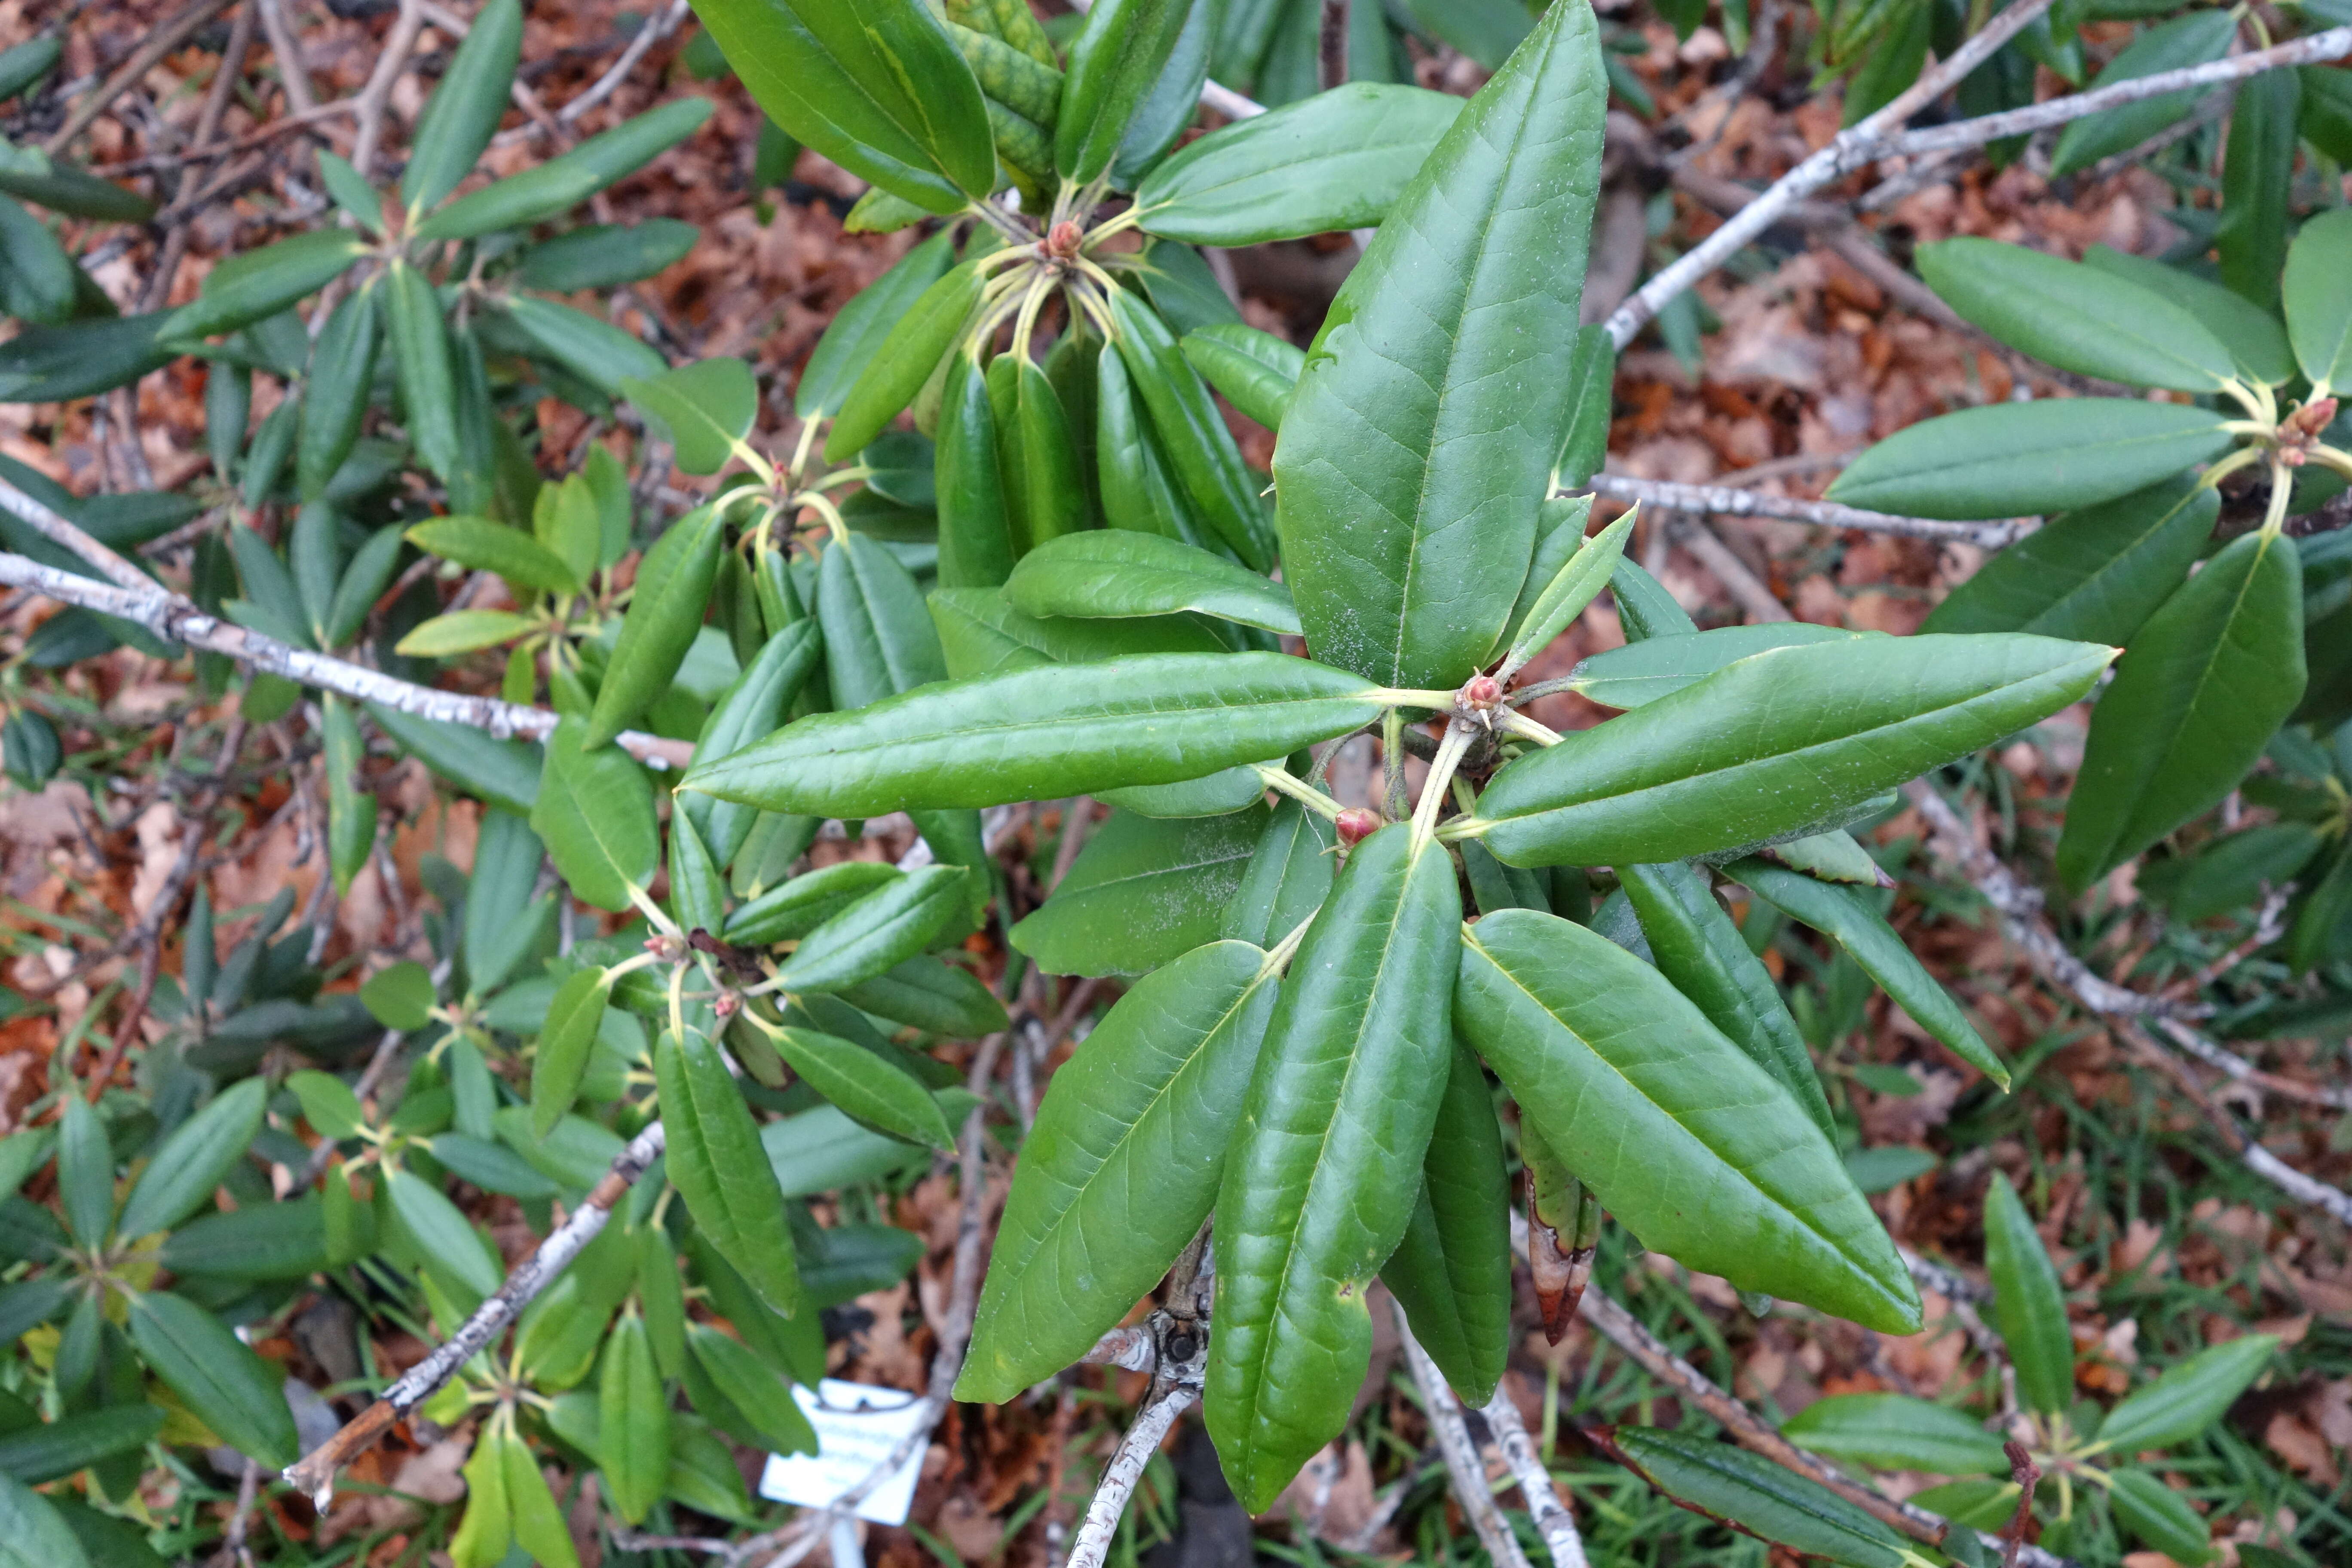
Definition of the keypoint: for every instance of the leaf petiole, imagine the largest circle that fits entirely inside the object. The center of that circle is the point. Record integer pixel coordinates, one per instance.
(1299, 790)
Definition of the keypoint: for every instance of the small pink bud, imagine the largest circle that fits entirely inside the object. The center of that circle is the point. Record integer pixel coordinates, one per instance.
(1357, 824)
(726, 1004)
(1481, 692)
(1063, 239)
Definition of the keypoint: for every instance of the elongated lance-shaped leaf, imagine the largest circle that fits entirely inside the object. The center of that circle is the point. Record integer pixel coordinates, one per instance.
(2189, 1398)
(596, 816)
(716, 1160)
(924, 333)
(1255, 371)
(859, 329)
(560, 1059)
(2160, 1516)
(1774, 745)
(1114, 60)
(2096, 575)
(1898, 1432)
(1696, 1150)
(1122, 1166)
(2009, 458)
(664, 612)
(571, 178)
(747, 710)
(1760, 1497)
(867, 1086)
(1286, 880)
(878, 638)
(1578, 582)
(2076, 317)
(974, 504)
(1416, 451)
(634, 1430)
(226, 1386)
(1849, 917)
(876, 932)
(1143, 892)
(1043, 733)
(1202, 456)
(464, 112)
(335, 397)
(2257, 173)
(1119, 572)
(184, 1173)
(420, 361)
(1451, 1272)
(1696, 945)
(2028, 1305)
(1659, 664)
(2208, 680)
(2318, 293)
(1321, 1182)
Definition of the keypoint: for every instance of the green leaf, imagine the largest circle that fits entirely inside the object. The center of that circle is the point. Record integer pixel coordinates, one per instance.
(1576, 584)
(568, 179)
(193, 1160)
(1202, 456)
(878, 638)
(1770, 745)
(1896, 1432)
(464, 631)
(607, 255)
(539, 1527)
(335, 397)
(706, 408)
(975, 502)
(560, 1059)
(1143, 892)
(421, 366)
(597, 352)
(36, 276)
(1338, 160)
(400, 997)
(2208, 680)
(30, 174)
(2257, 173)
(1627, 1078)
(981, 635)
(935, 997)
(2190, 40)
(859, 331)
(56, 1449)
(1287, 877)
(2256, 340)
(876, 932)
(596, 816)
(503, 923)
(2028, 1305)
(2009, 459)
(2188, 1399)
(1139, 488)
(793, 908)
(697, 893)
(2318, 293)
(762, 1395)
(285, 1240)
(441, 1231)
(84, 1173)
(867, 1086)
(487, 546)
(1255, 371)
(1642, 672)
(488, 1528)
(1699, 947)
(2076, 317)
(504, 772)
(33, 1534)
(664, 613)
(749, 709)
(24, 64)
(1850, 919)
(873, 84)
(1416, 451)
(633, 1428)
(922, 334)
(2094, 574)
(2159, 1516)
(463, 113)
(1121, 1167)
(256, 284)
(716, 1162)
(1760, 1497)
(1044, 734)
(1116, 571)
(1343, 1101)
(1451, 1272)
(1119, 54)
(21, 1154)
(351, 192)
(227, 1386)
(1046, 476)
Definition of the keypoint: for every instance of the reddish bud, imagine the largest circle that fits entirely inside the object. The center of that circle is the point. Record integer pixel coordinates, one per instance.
(2311, 417)
(1063, 239)
(1480, 693)
(2292, 457)
(726, 1004)
(666, 947)
(1357, 824)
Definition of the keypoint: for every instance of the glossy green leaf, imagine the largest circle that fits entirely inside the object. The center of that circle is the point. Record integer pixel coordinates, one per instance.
(2159, 1516)
(2028, 1305)
(1563, 597)
(1760, 1497)
(2076, 317)
(2188, 1399)
(1117, 56)
(1642, 672)
(1851, 919)
(924, 334)
(504, 772)
(633, 1447)
(980, 634)
(229, 1389)
(596, 816)
(1118, 572)
(1774, 742)
(22, 1153)
(876, 932)
(329, 1105)
(878, 638)
(400, 995)
(503, 921)
(254, 284)
(1139, 488)
(2208, 680)
(570, 178)
(2008, 459)
(665, 611)
(975, 506)
(1416, 451)
(1048, 476)
(22, 65)
(2318, 293)
(604, 355)
(873, 84)
(1286, 880)
(2257, 174)
(560, 1059)
(1338, 160)
(1216, 794)
(459, 119)
(1255, 371)
(1143, 892)
(484, 1532)
(2094, 574)
(1044, 734)
(757, 1391)
(487, 546)
(1451, 1272)
(1202, 456)
(1898, 1432)
(1835, 855)
(1344, 1095)
(2254, 337)
(1699, 1150)
(420, 361)
(716, 1161)
(441, 1231)
(606, 256)
(32, 1532)
(856, 334)
(2323, 112)
(2189, 40)
(935, 997)
(85, 1174)
(55, 1449)
(798, 907)
(868, 1087)
(1121, 1166)
(1699, 947)
(749, 708)
(464, 631)
(193, 1161)
(538, 1525)
(335, 397)
(285, 1240)
(706, 408)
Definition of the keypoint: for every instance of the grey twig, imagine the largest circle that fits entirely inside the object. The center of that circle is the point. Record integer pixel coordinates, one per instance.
(1463, 1467)
(1726, 501)
(1552, 1519)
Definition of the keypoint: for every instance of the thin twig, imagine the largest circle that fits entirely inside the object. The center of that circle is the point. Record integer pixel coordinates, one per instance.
(1331, 45)
(159, 43)
(1754, 595)
(651, 33)
(1726, 501)
(292, 75)
(1125, 1470)
(1463, 1467)
(1552, 1519)
(374, 98)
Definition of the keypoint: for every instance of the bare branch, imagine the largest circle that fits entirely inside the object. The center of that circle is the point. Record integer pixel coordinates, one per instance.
(1126, 1469)
(373, 99)
(1754, 595)
(1728, 500)
(1518, 1451)
(283, 43)
(314, 1475)
(1463, 1467)
(161, 42)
